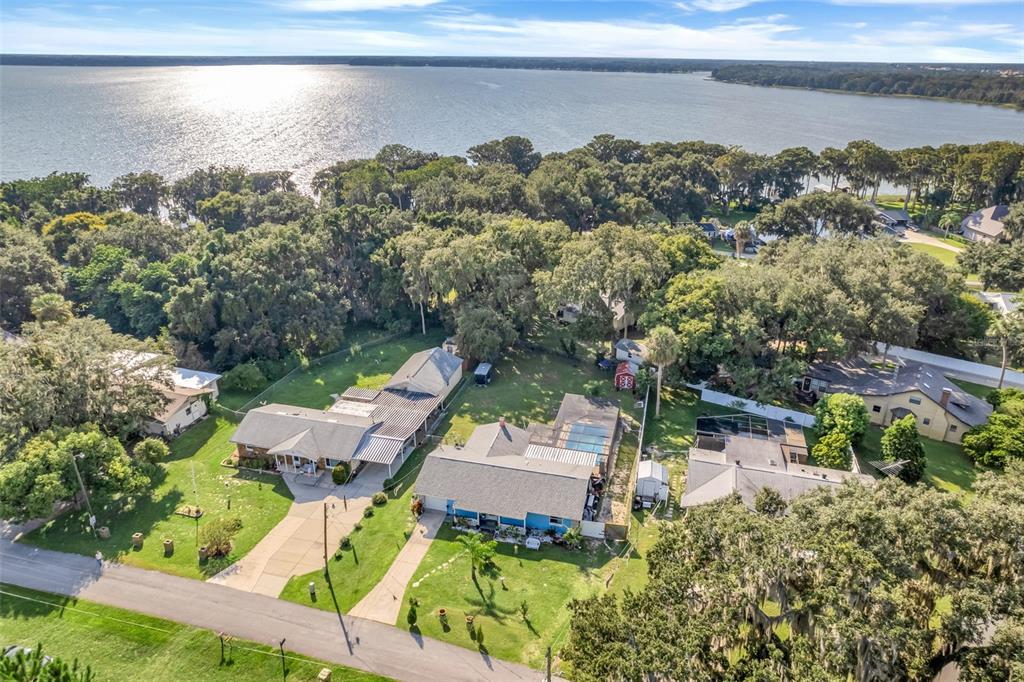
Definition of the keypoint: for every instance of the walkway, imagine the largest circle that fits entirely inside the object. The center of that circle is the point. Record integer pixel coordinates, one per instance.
(354, 642)
(295, 546)
(384, 602)
(924, 238)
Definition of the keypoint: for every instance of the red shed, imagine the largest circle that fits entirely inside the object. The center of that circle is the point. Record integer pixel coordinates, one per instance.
(625, 379)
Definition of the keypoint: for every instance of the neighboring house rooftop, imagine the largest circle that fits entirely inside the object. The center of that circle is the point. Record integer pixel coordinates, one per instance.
(743, 453)
(176, 398)
(895, 215)
(987, 221)
(429, 371)
(860, 377)
(631, 346)
(583, 423)
(178, 376)
(1000, 302)
(9, 337)
(309, 433)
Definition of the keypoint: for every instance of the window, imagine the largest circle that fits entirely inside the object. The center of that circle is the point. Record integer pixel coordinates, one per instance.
(555, 521)
(927, 421)
(188, 410)
(952, 428)
(915, 401)
(876, 408)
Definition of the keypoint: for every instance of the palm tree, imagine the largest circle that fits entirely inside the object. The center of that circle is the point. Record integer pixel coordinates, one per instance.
(1008, 331)
(51, 308)
(742, 232)
(480, 551)
(949, 221)
(662, 349)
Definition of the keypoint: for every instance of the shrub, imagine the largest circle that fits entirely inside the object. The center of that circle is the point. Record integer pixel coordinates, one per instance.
(368, 512)
(769, 502)
(901, 442)
(416, 506)
(358, 525)
(340, 472)
(245, 377)
(217, 534)
(573, 538)
(151, 451)
(380, 498)
(345, 543)
(412, 616)
(842, 412)
(833, 451)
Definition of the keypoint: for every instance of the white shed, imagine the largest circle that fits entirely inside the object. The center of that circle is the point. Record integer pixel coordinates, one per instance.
(652, 480)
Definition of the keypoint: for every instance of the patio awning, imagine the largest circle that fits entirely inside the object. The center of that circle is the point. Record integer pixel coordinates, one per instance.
(379, 450)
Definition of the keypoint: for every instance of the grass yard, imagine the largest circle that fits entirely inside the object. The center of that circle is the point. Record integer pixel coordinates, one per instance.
(947, 257)
(528, 385)
(546, 579)
(123, 645)
(680, 407)
(260, 500)
(977, 390)
(947, 467)
(365, 366)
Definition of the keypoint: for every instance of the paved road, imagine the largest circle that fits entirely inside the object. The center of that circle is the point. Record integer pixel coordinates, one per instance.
(295, 546)
(384, 602)
(325, 635)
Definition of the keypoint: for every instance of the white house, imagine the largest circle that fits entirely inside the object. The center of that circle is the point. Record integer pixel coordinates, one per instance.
(187, 391)
(631, 351)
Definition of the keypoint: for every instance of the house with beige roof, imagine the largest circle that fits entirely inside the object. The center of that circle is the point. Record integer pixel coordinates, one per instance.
(187, 392)
(942, 409)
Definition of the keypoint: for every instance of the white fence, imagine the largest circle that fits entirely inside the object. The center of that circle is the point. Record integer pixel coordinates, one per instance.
(960, 369)
(741, 405)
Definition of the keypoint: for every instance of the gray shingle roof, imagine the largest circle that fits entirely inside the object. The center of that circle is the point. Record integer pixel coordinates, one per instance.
(988, 221)
(491, 474)
(859, 377)
(430, 371)
(302, 431)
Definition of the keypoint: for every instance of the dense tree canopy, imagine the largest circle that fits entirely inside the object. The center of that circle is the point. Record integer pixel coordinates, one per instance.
(888, 582)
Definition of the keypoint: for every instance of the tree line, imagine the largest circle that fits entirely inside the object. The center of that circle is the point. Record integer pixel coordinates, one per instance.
(990, 86)
(238, 271)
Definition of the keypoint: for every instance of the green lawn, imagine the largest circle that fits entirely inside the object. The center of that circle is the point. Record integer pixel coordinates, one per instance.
(261, 501)
(680, 407)
(947, 468)
(123, 645)
(546, 579)
(947, 257)
(528, 385)
(977, 390)
(365, 366)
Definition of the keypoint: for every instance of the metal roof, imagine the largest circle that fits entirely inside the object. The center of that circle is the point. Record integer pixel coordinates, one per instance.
(430, 371)
(379, 450)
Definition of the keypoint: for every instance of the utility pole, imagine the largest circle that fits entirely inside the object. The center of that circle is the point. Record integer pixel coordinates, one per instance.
(85, 493)
(284, 669)
(549, 665)
(325, 540)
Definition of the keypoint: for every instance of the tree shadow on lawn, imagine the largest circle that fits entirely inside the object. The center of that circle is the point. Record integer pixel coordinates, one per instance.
(35, 606)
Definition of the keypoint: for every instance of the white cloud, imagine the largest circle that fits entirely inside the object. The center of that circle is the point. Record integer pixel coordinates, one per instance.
(774, 37)
(714, 5)
(355, 5)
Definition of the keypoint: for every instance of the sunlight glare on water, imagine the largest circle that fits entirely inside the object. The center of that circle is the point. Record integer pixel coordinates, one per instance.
(106, 121)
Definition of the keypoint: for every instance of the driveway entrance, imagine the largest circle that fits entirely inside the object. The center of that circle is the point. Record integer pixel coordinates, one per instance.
(295, 546)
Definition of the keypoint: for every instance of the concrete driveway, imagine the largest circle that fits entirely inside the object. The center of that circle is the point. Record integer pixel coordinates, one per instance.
(295, 546)
(922, 238)
(384, 602)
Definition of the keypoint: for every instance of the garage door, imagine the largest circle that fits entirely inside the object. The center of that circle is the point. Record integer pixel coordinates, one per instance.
(434, 503)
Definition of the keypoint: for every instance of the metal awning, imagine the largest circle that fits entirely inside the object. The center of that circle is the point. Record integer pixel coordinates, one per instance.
(890, 468)
(379, 450)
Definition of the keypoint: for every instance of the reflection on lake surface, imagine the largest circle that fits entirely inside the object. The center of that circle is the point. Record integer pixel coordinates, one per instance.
(108, 121)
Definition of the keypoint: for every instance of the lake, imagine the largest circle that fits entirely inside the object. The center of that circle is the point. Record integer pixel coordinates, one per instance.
(107, 121)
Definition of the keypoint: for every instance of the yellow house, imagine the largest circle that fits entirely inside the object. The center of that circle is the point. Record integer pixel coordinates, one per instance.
(943, 411)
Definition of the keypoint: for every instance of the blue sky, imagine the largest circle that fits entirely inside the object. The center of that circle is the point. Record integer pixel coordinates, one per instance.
(835, 30)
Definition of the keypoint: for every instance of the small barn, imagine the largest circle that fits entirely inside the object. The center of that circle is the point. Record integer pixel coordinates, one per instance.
(482, 373)
(652, 481)
(625, 377)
